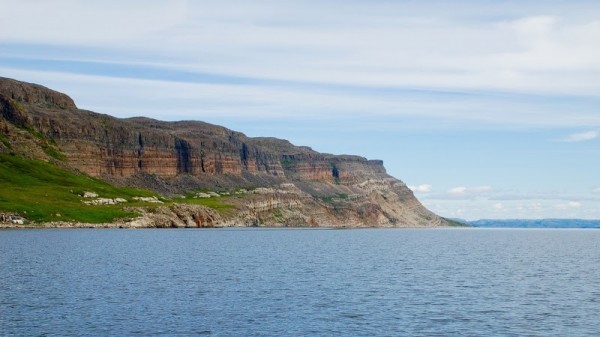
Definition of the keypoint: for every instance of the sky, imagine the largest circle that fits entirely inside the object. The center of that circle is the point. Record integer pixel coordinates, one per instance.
(485, 109)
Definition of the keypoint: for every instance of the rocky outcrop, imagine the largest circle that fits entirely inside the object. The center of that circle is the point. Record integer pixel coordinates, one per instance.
(12, 219)
(33, 94)
(180, 157)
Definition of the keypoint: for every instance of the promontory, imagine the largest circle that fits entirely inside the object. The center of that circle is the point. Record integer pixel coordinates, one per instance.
(63, 166)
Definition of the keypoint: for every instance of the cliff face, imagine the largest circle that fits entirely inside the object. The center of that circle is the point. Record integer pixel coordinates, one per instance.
(177, 157)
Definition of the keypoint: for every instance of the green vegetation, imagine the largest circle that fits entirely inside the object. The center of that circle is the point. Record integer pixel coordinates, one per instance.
(454, 223)
(286, 164)
(52, 152)
(48, 145)
(278, 215)
(216, 203)
(40, 191)
(5, 141)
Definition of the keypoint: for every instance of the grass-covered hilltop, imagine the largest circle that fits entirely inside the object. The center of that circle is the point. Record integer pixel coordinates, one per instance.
(62, 166)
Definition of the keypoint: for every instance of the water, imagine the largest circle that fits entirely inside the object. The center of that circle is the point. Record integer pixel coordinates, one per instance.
(372, 282)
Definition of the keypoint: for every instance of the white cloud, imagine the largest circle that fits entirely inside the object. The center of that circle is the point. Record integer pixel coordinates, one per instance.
(480, 189)
(459, 212)
(423, 188)
(569, 205)
(582, 136)
(199, 101)
(74, 22)
(307, 44)
(126, 97)
(485, 209)
(462, 190)
(380, 43)
(457, 190)
(494, 203)
(461, 193)
(596, 190)
(498, 199)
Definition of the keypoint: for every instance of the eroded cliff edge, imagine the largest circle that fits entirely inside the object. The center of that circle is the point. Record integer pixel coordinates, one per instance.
(266, 181)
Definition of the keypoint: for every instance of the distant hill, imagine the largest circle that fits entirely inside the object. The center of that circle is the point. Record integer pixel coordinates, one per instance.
(536, 223)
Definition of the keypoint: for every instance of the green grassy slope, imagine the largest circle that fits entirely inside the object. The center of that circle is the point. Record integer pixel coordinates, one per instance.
(40, 191)
(219, 204)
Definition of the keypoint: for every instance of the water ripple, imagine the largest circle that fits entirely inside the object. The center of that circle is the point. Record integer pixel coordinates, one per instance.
(475, 282)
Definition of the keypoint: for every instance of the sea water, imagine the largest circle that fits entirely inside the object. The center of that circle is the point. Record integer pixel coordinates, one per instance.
(266, 282)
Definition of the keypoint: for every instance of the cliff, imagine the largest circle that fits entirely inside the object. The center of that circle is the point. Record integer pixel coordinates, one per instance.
(285, 185)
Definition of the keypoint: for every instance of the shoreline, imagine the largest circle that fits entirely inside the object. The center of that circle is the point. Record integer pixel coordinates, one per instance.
(50, 226)
(115, 226)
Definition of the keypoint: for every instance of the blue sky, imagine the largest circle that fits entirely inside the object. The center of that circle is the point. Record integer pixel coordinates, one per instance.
(486, 109)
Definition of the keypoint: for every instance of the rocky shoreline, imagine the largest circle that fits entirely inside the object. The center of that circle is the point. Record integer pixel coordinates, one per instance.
(193, 216)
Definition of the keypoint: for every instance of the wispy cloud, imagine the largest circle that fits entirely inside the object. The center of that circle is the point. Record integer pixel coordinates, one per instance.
(423, 188)
(549, 196)
(457, 190)
(205, 96)
(111, 23)
(379, 43)
(462, 192)
(500, 197)
(385, 58)
(568, 205)
(581, 136)
(481, 209)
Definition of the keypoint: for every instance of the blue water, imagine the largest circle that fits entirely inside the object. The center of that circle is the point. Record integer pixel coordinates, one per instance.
(372, 282)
